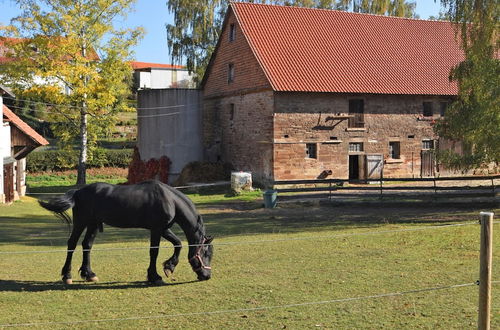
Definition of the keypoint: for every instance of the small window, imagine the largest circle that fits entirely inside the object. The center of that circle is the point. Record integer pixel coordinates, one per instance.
(231, 112)
(230, 73)
(443, 107)
(355, 146)
(394, 150)
(427, 109)
(356, 111)
(232, 32)
(427, 144)
(311, 150)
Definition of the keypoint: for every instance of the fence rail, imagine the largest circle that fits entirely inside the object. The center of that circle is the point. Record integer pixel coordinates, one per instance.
(391, 187)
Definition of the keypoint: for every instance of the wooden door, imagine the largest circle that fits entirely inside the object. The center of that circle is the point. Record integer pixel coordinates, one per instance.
(374, 166)
(427, 163)
(8, 182)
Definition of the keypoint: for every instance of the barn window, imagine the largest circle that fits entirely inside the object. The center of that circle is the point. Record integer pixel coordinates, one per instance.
(230, 73)
(427, 144)
(394, 150)
(231, 112)
(356, 110)
(355, 146)
(311, 150)
(232, 32)
(427, 109)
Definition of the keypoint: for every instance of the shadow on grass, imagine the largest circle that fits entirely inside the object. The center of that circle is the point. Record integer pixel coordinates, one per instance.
(30, 227)
(40, 286)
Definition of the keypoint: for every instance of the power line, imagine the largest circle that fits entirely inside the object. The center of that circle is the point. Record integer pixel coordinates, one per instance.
(80, 107)
(253, 309)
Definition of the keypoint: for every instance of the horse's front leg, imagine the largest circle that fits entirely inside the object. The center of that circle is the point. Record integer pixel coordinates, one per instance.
(85, 271)
(72, 242)
(153, 276)
(169, 265)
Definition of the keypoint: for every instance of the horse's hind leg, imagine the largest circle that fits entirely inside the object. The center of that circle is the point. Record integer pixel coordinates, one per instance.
(72, 241)
(169, 265)
(153, 276)
(85, 271)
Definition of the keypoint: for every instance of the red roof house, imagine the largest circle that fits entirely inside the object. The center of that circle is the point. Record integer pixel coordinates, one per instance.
(159, 76)
(18, 140)
(291, 93)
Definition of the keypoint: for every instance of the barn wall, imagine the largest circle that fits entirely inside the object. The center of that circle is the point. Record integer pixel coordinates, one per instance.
(303, 118)
(248, 74)
(170, 127)
(238, 130)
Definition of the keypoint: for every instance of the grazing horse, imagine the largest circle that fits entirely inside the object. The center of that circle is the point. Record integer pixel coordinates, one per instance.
(151, 205)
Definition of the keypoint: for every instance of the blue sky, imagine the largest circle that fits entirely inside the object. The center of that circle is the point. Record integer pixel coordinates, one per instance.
(153, 15)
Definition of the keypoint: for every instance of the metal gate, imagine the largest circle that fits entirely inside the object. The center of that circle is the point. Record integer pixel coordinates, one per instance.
(428, 163)
(8, 182)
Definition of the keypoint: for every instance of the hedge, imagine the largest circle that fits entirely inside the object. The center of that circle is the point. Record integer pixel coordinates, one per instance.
(59, 160)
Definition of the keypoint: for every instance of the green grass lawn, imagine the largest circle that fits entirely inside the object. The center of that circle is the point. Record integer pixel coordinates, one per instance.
(269, 264)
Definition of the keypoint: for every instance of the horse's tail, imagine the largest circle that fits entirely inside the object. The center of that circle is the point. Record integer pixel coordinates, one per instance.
(59, 205)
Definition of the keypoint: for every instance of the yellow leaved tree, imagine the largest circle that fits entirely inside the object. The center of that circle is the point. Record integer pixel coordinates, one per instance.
(68, 55)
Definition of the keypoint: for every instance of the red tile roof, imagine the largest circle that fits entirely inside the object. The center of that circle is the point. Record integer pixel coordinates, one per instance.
(316, 50)
(145, 65)
(30, 132)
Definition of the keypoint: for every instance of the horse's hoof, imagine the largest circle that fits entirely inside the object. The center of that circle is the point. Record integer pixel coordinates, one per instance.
(167, 272)
(92, 279)
(157, 282)
(67, 281)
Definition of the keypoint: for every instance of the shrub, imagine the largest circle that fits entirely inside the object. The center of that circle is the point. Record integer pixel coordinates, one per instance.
(140, 170)
(60, 160)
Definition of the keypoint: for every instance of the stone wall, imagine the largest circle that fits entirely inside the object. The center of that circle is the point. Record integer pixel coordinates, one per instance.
(319, 118)
(238, 130)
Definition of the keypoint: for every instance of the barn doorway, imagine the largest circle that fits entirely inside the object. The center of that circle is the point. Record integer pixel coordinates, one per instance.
(357, 169)
(353, 167)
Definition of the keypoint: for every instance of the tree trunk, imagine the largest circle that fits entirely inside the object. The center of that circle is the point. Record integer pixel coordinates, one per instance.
(82, 159)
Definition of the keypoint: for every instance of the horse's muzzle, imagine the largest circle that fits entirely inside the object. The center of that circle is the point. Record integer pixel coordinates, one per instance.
(204, 277)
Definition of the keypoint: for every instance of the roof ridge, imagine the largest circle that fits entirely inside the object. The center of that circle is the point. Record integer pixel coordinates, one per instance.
(238, 3)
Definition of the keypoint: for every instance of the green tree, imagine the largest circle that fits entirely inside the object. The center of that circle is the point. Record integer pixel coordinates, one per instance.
(67, 53)
(474, 117)
(197, 23)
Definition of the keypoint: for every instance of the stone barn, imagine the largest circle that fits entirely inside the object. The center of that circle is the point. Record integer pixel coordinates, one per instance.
(296, 93)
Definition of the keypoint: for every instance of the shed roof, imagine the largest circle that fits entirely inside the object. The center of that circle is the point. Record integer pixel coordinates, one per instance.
(25, 128)
(316, 50)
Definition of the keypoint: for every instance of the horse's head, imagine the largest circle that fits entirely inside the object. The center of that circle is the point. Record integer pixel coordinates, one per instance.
(200, 261)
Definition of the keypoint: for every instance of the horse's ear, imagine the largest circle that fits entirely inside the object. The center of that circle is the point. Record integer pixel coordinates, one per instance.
(209, 239)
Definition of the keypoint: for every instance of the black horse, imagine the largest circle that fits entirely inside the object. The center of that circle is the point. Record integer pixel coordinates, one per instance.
(151, 205)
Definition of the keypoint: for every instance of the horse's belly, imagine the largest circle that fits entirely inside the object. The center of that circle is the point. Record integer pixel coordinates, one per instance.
(125, 221)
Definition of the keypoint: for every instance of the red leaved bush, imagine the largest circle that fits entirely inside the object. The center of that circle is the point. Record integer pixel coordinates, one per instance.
(140, 170)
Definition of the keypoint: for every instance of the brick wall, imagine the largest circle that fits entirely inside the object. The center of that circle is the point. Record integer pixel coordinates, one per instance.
(316, 118)
(248, 74)
(238, 130)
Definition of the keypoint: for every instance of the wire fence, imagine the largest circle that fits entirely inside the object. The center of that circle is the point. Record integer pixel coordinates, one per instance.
(241, 310)
(259, 308)
(288, 239)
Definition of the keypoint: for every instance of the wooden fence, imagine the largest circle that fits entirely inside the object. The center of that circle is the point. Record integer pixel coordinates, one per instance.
(435, 187)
